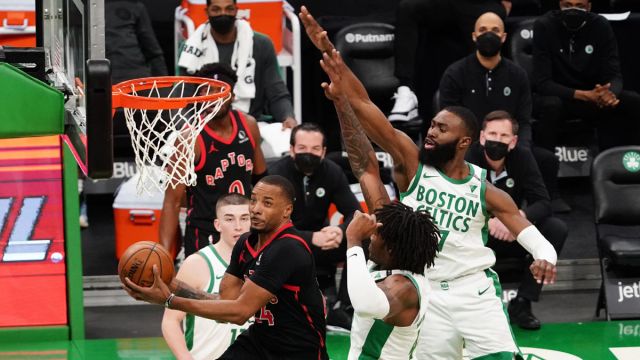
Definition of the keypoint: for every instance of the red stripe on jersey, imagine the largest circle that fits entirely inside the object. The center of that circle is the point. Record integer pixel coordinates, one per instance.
(313, 327)
(234, 132)
(255, 253)
(295, 237)
(197, 240)
(243, 120)
(293, 288)
(203, 153)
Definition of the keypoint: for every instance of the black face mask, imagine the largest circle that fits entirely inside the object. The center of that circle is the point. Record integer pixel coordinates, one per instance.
(573, 18)
(439, 155)
(222, 24)
(488, 44)
(307, 163)
(496, 150)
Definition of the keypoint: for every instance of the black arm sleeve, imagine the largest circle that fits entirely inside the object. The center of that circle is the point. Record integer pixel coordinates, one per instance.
(542, 64)
(524, 111)
(149, 44)
(286, 261)
(611, 72)
(536, 194)
(277, 95)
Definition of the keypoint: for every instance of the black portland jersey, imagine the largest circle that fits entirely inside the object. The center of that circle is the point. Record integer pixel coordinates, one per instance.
(225, 166)
(293, 322)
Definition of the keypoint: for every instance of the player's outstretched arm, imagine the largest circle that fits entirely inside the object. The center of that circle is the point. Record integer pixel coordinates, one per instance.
(315, 32)
(190, 273)
(502, 206)
(362, 158)
(375, 124)
(238, 311)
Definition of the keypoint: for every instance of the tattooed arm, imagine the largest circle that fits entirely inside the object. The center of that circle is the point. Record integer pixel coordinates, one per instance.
(229, 289)
(360, 152)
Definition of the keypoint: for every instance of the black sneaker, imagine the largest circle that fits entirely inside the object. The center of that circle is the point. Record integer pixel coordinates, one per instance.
(520, 314)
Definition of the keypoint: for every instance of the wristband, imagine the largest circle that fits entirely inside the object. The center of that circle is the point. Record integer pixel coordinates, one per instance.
(167, 303)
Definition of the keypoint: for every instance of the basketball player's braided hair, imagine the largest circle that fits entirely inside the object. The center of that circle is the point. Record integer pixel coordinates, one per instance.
(410, 236)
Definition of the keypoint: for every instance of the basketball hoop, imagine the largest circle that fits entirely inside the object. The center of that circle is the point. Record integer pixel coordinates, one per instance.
(164, 116)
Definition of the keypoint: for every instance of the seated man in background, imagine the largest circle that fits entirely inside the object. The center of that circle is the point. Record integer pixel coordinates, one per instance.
(485, 81)
(203, 338)
(318, 183)
(513, 170)
(453, 18)
(577, 73)
(260, 90)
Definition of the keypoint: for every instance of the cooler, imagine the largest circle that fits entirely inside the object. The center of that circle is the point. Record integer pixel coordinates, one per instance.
(17, 23)
(265, 16)
(136, 217)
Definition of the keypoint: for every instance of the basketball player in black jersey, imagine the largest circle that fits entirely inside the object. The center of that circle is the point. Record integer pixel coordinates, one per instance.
(271, 276)
(227, 156)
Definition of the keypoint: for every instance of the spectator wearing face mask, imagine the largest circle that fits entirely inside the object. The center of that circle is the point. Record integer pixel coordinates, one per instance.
(260, 90)
(513, 170)
(485, 81)
(577, 72)
(318, 183)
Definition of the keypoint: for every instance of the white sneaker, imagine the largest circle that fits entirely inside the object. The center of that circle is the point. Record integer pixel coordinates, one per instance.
(406, 106)
(84, 222)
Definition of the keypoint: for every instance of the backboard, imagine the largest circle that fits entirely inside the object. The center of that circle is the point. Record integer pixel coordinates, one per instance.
(72, 35)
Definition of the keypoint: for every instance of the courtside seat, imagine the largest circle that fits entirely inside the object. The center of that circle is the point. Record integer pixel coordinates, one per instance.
(368, 49)
(615, 180)
(621, 250)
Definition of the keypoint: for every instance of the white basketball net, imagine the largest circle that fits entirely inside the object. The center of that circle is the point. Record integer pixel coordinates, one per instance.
(164, 140)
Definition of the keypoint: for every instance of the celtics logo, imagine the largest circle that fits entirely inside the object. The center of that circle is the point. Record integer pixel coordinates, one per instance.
(631, 161)
(588, 49)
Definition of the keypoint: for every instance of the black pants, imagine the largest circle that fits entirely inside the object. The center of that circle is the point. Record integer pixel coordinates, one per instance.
(614, 126)
(247, 347)
(554, 230)
(451, 18)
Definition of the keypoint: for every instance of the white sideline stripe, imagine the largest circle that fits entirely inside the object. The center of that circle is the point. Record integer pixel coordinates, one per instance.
(626, 353)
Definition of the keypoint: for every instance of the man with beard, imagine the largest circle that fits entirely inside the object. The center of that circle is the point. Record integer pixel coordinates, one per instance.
(260, 90)
(319, 183)
(466, 305)
(513, 170)
(271, 276)
(227, 156)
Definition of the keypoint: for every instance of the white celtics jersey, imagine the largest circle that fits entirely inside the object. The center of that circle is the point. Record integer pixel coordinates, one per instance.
(375, 339)
(208, 339)
(458, 208)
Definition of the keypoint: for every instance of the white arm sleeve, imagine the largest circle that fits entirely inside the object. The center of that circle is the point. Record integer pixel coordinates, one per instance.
(367, 299)
(534, 242)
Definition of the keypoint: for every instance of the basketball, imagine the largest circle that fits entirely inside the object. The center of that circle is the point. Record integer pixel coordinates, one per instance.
(137, 262)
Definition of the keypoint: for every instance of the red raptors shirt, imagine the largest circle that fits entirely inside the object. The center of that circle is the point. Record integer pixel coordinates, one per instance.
(292, 324)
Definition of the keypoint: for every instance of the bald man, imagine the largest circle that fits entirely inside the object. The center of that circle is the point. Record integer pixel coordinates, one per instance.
(484, 81)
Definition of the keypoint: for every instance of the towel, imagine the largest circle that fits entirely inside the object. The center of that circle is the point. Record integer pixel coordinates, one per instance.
(201, 49)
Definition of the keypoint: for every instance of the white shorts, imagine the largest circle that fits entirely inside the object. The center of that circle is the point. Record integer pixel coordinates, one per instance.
(467, 313)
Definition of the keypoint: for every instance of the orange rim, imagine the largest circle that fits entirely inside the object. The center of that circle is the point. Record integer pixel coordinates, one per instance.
(122, 97)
